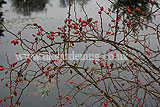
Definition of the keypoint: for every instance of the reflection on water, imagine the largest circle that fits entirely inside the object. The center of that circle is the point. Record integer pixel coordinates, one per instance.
(1, 16)
(65, 3)
(27, 7)
(143, 5)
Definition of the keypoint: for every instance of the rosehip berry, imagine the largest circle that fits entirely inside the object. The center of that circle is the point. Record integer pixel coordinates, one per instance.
(28, 60)
(69, 19)
(42, 67)
(2, 79)
(59, 28)
(39, 26)
(65, 21)
(51, 32)
(76, 32)
(82, 103)
(94, 61)
(138, 9)
(67, 98)
(109, 73)
(1, 69)
(99, 12)
(48, 36)
(81, 38)
(105, 103)
(71, 71)
(71, 82)
(6, 84)
(12, 41)
(35, 24)
(101, 8)
(48, 67)
(109, 9)
(10, 86)
(18, 103)
(16, 80)
(15, 93)
(46, 74)
(1, 100)
(52, 38)
(49, 79)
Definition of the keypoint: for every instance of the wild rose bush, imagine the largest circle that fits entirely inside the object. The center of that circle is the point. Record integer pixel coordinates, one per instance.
(132, 81)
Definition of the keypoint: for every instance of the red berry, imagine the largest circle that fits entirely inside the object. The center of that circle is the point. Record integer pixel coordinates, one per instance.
(1, 100)
(138, 9)
(109, 9)
(59, 28)
(10, 86)
(82, 103)
(39, 26)
(105, 103)
(12, 41)
(69, 19)
(1, 69)
(99, 12)
(94, 61)
(6, 84)
(18, 103)
(67, 98)
(60, 95)
(35, 24)
(79, 20)
(49, 79)
(109, 73)
(28, 60)
(42, 29)
(76, 32)
(65, 21)
(42, 67)
(52, 38)
(2, 79)
(16, 80)
(46, 74)
(71, 82)
(48, 67)
(101, 8)
(48, 36)
(51, 32)
(15, 93)
(71, 71)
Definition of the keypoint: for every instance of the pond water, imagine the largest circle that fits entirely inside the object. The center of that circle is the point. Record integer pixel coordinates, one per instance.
(50, 14)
